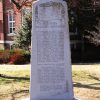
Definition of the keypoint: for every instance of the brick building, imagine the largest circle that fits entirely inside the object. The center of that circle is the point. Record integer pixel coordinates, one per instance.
(10, 20)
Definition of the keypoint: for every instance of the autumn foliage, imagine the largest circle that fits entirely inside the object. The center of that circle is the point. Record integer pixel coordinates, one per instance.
(14, 57)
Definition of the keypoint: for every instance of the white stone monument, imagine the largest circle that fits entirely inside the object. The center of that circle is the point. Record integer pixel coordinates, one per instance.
(51, 74)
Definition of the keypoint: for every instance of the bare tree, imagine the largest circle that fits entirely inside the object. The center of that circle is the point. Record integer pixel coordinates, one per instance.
(20, 3)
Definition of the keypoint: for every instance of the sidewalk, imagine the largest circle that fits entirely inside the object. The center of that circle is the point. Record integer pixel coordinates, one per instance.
(14, 67)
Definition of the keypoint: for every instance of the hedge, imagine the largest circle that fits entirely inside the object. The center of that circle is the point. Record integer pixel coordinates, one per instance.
(14, 57)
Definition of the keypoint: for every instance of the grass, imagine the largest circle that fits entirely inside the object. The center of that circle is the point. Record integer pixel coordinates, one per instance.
(14, 82)
(87, 81)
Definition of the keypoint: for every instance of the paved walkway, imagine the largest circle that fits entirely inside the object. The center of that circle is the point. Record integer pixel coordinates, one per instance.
(14, 67)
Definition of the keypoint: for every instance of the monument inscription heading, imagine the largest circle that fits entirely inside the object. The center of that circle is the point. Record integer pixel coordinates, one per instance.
(51, 65)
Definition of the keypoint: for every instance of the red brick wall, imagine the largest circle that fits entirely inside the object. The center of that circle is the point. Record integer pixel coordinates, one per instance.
(18, 17)
(10, 6)
(18, 20)
(5, 6)
(1, 21)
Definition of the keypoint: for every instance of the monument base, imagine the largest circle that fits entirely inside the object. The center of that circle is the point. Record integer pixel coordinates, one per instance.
(26, 99)
(29, 99)
(76, 99)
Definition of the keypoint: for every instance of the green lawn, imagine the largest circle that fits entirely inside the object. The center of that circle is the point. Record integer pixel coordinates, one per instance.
(14, 82)
(87, 81)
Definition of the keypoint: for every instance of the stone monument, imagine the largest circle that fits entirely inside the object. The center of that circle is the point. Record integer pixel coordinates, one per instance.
(51, 75)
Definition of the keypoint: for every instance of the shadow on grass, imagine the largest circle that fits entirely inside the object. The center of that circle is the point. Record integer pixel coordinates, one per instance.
(86, 63)
(94, 77)
(16, 95)
(22, 92)
(13, 77)
(88, 86)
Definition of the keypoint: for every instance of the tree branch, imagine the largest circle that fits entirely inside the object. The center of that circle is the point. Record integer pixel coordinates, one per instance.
(17, 4)
(21, 3)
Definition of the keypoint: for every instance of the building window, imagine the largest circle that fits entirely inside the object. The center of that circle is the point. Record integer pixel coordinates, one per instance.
(11, 22)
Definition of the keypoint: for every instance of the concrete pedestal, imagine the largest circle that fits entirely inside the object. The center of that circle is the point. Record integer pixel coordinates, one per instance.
(51, 73)
(29, 99)
(25, 99)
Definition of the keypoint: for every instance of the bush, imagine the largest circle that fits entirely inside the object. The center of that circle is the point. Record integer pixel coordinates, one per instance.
(17, 58)
(27, 56)
(14, 56)
(17, 51)
(4, 56)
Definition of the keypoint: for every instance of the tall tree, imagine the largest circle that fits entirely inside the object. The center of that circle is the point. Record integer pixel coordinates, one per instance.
(22, 37)
(93, 33)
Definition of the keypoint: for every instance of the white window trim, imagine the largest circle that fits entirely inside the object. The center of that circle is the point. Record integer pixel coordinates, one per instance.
(9, 42)
(10, 34)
